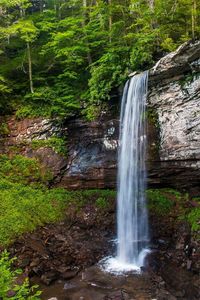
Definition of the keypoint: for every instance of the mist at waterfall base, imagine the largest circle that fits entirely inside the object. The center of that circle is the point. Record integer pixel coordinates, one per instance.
(132, 218)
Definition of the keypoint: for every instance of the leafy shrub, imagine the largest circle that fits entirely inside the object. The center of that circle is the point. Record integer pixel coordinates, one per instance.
(9, 288)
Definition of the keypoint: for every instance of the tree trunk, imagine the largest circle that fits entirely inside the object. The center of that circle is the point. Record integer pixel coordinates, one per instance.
(151, 4)
(30, 67)
(110, 20)
(41, 6)
(89, 58)
(194, 9)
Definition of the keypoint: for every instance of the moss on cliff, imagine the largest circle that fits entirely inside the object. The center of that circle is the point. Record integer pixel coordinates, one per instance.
(172, 203)
(58, 144)
(21, 169)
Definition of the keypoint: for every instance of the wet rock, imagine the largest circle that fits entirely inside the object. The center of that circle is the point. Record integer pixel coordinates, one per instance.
(117, 295)
(38, 270)
(183, 236)
(69, 285)
(35, 262)
(24, 262)
(85, 294)
(189, 264)
(180, 294)
(48, 277)
(165, 295)
(96, 277)
(92, 153)
(69, 274)
(180, 282)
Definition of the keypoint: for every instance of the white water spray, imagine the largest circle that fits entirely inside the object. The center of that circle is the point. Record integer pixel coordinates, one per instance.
(132, 219)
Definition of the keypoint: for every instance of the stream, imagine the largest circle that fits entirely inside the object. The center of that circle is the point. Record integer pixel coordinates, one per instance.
(94, 284)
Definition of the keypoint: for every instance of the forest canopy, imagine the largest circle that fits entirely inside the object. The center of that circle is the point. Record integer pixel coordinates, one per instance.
(64, 57)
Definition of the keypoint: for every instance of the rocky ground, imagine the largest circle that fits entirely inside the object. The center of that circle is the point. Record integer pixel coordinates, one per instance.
(62, 257)
(62, 250)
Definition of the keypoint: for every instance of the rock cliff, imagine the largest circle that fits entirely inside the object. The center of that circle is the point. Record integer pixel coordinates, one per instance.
(175, 97)
(173, 133)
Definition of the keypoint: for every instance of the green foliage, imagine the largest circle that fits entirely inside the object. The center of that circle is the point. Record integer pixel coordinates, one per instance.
(22, 170)
(48, 103)
(79, 53)
(108, 72)
(4, 130)
(188, 79)
(159, 201)
(101, 198)
(101, 202)
(58, 144)
(23, 208)
(152, 116)
(9, 285)
(164, 201)
(92, 111)
(194, 219)
(26, 30)
(4, 89)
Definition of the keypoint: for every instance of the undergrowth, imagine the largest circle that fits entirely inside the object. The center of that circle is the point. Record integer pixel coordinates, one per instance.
(24, 208)
(26, 202)
(163, 201)
(24, 170)
(194, 219)
(10, 288)
(158, 201)
(4, 129)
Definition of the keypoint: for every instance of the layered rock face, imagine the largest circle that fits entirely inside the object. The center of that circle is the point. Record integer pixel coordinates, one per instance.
(92, 154)
(175, 97)
(173, 133)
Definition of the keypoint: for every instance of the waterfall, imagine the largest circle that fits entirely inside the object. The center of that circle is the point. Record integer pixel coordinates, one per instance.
(132, 220)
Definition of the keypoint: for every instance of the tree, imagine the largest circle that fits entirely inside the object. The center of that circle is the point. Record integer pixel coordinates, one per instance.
(84, 49)
(27, 33)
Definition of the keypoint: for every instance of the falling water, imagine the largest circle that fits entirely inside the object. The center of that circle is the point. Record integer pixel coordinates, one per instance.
(132, 213)
(132, 220)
